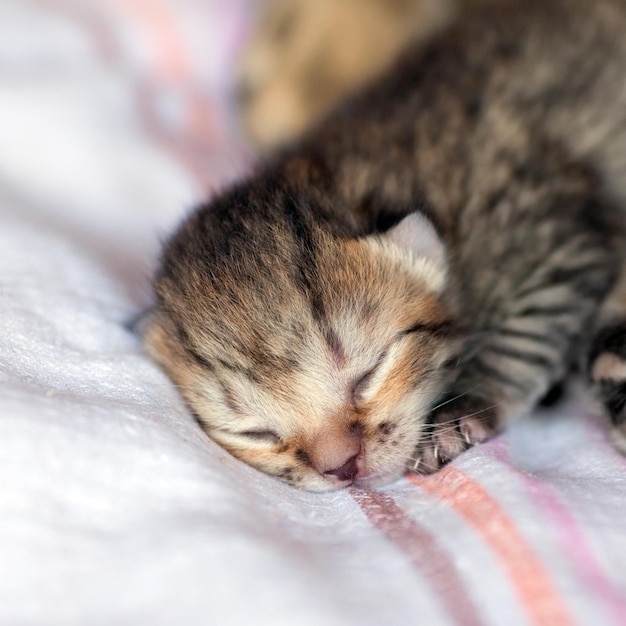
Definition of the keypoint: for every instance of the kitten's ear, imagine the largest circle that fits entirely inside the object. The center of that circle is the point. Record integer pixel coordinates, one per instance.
(416, 234)
(140, 323)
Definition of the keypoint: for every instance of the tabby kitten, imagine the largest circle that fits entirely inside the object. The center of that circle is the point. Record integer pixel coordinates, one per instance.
(422, 267)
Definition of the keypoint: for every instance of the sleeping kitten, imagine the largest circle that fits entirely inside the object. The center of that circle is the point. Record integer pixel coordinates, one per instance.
(422, 267)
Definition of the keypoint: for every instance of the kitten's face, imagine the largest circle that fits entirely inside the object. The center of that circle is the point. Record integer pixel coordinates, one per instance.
(320, 376)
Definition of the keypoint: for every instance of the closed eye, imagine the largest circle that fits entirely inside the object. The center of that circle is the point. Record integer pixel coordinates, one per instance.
(440, 330)
(359, 386)
(261, 435)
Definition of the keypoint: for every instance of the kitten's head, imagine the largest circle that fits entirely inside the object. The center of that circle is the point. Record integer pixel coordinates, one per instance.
(312, 357)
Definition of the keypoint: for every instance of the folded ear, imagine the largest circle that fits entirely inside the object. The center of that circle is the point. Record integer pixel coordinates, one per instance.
(416, 234)
(142, 320)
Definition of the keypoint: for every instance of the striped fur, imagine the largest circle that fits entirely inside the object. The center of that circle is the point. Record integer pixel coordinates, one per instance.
(311, 328)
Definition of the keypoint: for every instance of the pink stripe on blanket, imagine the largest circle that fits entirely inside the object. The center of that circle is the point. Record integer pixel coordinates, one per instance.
(424, 552)
(165, 41)
(538, 594)
(178, 114)
(180, 111)
(572, 538)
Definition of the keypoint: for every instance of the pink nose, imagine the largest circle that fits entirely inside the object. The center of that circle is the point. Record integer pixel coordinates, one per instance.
(336, 453)
(348, 471)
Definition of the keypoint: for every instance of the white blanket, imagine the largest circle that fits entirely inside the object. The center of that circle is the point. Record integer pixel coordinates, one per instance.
(115, 508)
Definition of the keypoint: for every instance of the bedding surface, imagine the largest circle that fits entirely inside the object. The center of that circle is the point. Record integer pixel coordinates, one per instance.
(115, 508)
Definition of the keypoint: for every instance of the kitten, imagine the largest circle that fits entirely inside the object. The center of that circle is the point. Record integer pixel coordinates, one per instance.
(306, 55)
(422, 267)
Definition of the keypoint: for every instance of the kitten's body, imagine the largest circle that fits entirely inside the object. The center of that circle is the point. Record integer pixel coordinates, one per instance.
(312, 347)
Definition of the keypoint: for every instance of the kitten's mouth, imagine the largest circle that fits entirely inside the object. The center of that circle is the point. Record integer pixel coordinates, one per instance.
(356, 472)
(366, 479)
(353, 473)
(360, 482)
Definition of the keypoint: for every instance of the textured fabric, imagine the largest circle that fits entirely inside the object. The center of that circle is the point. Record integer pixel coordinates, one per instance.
(114, 507)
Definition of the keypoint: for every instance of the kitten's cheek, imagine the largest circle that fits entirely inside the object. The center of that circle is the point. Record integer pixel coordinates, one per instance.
(383, 466)
(388, 471)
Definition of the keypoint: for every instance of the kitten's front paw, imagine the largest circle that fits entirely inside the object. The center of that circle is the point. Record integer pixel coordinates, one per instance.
(452, 428)
(607, 370)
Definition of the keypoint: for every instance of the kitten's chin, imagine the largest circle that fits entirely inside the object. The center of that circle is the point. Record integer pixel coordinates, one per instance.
(365, 482)
(375, 482)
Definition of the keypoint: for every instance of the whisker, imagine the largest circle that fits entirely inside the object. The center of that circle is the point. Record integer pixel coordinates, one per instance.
(450, 425)
(438, 406)
(488, 408)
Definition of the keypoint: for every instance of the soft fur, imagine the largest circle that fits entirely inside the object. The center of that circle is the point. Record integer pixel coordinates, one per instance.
(421, 268)
(306, 55)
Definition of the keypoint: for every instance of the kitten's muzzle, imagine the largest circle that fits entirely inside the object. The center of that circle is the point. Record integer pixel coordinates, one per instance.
(348, 471)
(336, 454)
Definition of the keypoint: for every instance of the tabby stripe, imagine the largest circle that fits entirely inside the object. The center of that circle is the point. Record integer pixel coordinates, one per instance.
(548, 311)
(593, 289)
(491, 372)
(539, 596)
(306, 264)
(189, 347)
(495, 199)
(441, 330)
(522, 355)
(229, 394)
(530, 336)
(424, 552)
(278, 364)
(535, 277)
(238, 369)
(201, 360)
(571, 275)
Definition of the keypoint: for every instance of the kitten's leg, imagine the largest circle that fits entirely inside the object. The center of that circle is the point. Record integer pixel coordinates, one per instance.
(530, 336)
(607, 360)
(459, 422)
(456, 424)
(510, 375)
(607, 371)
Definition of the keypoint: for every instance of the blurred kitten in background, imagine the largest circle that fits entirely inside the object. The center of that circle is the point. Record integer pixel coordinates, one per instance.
(306, 55)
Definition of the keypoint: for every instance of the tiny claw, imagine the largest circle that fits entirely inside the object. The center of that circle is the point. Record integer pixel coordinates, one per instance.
(417, 463)
(436, 453)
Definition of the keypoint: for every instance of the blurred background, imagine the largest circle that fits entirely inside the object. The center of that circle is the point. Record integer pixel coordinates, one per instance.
(118, 117)
(99, 99)
(72, 67)
(303, 56)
